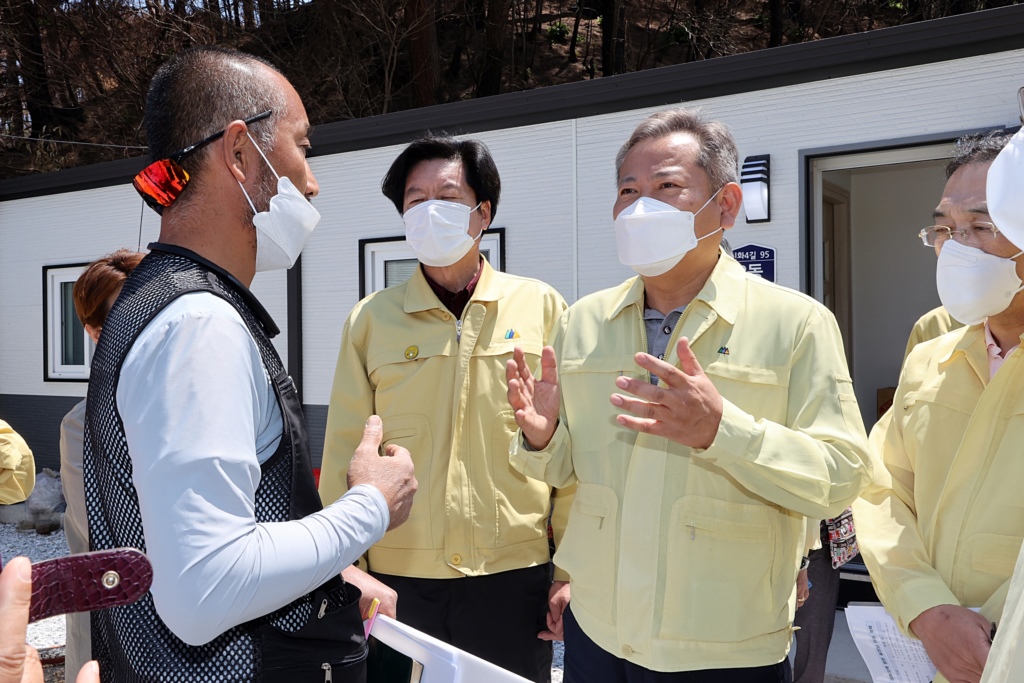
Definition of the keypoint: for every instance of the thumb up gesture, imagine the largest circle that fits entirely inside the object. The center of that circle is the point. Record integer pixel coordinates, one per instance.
(391, 473)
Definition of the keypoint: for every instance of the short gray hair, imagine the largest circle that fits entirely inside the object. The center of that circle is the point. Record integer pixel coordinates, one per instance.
(718, 156)
(977, 148)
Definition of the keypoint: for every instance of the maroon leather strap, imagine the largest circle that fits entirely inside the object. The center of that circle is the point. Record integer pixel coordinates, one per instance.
(89, 581)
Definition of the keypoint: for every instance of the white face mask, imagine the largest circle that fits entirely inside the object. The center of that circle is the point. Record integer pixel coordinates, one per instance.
(652, 236)
(437, 231)
(282, 230)
(973, 284)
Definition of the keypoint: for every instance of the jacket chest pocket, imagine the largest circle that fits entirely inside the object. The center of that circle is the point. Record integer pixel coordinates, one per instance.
(930, 415)
(586, 385)
(720, 562)
(761, 391)
(409, 366)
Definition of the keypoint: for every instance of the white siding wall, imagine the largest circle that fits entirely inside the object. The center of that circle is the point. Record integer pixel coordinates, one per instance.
(73, 227)
(952, 96)
(559, 225)
(536, 165)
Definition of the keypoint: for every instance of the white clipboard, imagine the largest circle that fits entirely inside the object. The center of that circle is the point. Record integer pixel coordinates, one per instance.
(441, 663)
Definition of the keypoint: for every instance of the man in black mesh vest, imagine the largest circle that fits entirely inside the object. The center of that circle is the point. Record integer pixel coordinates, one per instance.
(195, 443)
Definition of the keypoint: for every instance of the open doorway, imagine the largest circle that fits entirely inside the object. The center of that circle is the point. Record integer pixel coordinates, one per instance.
(869, 266)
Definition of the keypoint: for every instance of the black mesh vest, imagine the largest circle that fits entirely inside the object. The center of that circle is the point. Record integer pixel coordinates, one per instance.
(131, 642)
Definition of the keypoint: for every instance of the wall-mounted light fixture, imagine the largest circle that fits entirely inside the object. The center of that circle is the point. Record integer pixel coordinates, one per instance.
(754, 180)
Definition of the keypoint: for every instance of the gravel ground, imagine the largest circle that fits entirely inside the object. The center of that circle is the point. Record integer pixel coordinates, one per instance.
(49, 633)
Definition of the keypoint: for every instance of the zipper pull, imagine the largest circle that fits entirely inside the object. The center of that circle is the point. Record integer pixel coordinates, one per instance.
(323, 611)
(693, 532)
(458, 331)
(327, 672)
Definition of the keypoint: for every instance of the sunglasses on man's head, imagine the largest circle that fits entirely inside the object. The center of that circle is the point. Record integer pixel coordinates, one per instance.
(160, 183)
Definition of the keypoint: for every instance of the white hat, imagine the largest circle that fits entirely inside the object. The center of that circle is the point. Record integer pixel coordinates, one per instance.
(1004, 190)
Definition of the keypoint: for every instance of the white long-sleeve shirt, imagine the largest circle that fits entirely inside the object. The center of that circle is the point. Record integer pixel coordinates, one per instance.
(200, 416)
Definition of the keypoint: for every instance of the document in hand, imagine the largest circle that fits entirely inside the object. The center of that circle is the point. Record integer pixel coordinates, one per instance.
(891, 657)
(428, 660)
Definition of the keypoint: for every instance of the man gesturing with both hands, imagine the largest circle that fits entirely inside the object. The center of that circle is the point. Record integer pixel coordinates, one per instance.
(703, 413)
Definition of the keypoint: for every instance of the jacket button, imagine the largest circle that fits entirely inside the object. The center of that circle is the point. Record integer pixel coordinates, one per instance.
(446, 316)
(627, 650)
(456, 559)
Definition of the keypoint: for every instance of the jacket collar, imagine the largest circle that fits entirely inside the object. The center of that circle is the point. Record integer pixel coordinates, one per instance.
(973, 348)
(723, 291)
(420, 297)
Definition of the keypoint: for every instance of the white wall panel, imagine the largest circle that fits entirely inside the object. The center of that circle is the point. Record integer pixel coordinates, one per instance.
(548, 210)
(73, 227)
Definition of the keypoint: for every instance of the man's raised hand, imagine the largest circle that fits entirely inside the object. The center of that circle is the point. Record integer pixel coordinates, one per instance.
(688, 409)
(392, 475)
(536, 401)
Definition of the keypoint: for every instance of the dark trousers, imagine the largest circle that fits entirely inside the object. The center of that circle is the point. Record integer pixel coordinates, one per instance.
(586, 662)
(495, 617)
(816, 618)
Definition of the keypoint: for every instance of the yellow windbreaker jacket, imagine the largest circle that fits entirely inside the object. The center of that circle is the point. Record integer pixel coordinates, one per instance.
(943, 520)
(18, 467)
(684, 559)
(438, 384)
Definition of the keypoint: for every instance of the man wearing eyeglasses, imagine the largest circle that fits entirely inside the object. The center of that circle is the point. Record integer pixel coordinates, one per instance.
(195, 443)
(943, 521)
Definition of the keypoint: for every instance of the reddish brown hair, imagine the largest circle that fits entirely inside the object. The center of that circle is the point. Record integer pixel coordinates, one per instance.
(101, 279)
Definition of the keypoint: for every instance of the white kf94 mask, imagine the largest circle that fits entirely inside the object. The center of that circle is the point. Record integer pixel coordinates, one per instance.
(437, 231)
(281, 230)
(974, 284)
(652, 236)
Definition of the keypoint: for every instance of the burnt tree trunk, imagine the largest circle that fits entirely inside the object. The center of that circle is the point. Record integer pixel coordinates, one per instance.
(494, 48)
(423, 53)
(29, 44)
(777, 20)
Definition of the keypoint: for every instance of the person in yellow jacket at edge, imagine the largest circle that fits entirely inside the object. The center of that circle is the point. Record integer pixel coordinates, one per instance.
(472, 565)
(17, 467)
(941, 525)
(695, 474)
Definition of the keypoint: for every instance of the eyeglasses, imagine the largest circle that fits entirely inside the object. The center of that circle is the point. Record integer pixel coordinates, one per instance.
(160, 183)
(978, 232)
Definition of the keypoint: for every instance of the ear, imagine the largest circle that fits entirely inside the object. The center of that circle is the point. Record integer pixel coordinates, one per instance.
(730, 200)
(485, 214)
(237, 151)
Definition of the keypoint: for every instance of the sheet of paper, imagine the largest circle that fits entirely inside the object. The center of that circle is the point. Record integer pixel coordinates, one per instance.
(891, 657)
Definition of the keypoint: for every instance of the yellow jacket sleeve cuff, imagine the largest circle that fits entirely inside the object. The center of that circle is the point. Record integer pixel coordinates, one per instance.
(735, 433)
(561, 574)
(914, 597)
(535, 463)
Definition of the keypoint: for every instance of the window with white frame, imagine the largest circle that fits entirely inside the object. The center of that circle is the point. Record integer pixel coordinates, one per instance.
(388, 261)
(67, 347)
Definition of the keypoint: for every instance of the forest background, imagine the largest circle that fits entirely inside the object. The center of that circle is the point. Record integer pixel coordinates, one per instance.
(77, 70)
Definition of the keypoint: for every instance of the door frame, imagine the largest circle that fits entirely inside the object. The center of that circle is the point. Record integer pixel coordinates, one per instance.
(847, 162)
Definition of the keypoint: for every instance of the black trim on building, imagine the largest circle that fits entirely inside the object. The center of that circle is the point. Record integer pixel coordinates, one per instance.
(925, 42)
